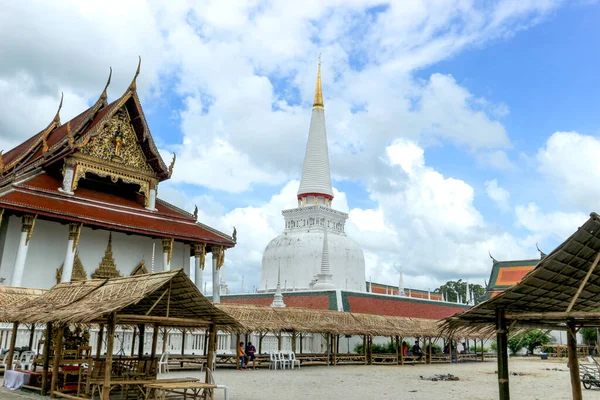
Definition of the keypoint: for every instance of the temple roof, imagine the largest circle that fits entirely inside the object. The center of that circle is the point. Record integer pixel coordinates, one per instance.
(39, 194)
(316, 176)
(506, 274)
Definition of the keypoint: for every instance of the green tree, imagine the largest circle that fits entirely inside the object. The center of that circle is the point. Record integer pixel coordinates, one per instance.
(516, 342)
(589, 334)
(452, 289)
(535, 339)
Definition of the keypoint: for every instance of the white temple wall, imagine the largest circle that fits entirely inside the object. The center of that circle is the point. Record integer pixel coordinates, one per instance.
(48, 246)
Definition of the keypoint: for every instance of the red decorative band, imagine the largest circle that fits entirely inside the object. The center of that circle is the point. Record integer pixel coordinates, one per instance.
(300, 196)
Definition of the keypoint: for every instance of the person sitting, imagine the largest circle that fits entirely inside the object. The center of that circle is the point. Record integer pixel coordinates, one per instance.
(404, 349)
(243, 358)
(250, 354)
(416, 350)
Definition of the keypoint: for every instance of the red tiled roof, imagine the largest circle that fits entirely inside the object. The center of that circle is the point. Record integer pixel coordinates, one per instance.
(40, 195)
(400, 307)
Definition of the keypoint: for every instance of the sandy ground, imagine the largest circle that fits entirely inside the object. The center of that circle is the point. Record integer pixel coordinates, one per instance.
(477, 381)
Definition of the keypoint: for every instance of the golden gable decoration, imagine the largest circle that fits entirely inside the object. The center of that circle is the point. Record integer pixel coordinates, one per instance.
(78, 273)
(140, 269)
(118, 143)
(107, 268)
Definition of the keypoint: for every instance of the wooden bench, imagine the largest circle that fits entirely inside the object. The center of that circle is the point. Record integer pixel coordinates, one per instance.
(384, 359)
(440, 358)
(138, 385)
(350, 359)
(160, 390)
(410, 359)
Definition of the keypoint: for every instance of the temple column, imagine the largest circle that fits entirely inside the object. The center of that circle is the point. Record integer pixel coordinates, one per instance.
(216, 295)
(67, 272)
(28, 223)
(167, 244)
(199, 254)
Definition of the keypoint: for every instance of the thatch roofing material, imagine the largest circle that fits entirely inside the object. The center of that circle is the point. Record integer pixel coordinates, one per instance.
(548, 288)
(11, 297)
(268, 319)
(148, 295)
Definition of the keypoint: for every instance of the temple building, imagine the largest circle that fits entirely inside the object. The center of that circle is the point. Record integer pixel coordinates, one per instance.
(79, 200)
(314, 252)
(506, 274)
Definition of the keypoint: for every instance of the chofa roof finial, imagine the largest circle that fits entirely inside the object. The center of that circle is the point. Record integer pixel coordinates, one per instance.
(542, 254)
(492, 257)
(56, 119)
(133, 85)
(104, 95)
(172, 165)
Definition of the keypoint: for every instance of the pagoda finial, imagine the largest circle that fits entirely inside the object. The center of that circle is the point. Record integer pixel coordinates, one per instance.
(104, 95)
(318, 103)
(107, 268)
(133, 84)
(278, 297)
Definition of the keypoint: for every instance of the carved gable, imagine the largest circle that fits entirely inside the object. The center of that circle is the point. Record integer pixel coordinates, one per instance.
(116, 142)
(140, 269)
(78, 271)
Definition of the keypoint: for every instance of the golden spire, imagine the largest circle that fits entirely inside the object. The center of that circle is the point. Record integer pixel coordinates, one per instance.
(318, 91)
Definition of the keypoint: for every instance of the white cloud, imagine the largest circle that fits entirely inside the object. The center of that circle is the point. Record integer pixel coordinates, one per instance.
(498, 194)
(568, 161)
(497, 159)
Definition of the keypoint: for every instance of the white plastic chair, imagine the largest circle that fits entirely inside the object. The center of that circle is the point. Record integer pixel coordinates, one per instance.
(164, 363)
(211, 380)
(273, 361)
(283, 362)
(214, 363)
(26, 359)
(14, 361)
(294, 360)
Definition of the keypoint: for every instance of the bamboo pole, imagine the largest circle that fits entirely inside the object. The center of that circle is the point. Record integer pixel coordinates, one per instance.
(164, 343)
(31, 335)
(212, 335)
(336, 343)
(397, 350)
(501, 342)
(430, 350)
(482, 351)
(57, 359)
(300, 343)
(133, 341)
(401, 351)
(205, 342)
(13, 343)
(46, 358)
(365, 348)
(450, 349)
(261, 335)
(573, 363)
(154, 344)
(279, 341)
(293, 341)
(99, 341)
(182, 346)
(142, 329)
(110, 339)
(370, 350)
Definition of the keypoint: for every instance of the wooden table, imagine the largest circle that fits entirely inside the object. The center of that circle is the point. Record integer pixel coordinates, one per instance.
(160, 390)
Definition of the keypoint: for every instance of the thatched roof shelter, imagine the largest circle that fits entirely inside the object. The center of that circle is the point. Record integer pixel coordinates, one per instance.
(292, 319)
(168, 298)
(563, 286)
(11, 297)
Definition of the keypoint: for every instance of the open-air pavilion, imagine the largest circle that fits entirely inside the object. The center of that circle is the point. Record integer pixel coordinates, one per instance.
(562, 292)
(166, 299)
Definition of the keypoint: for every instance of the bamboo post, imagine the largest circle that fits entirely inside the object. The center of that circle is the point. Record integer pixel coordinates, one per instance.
(336, 344)
(450, 349)
(328, 348)
(482, 351)
(401, 351)
(279, 341)
(142, 330)
(13, 343)
(237, 350)
(164, 343)
(501, 342)
(31, 335)
(573, 363)
(430, 351)
(99, 341)
(182, 346)
(365, 348)
(154, 344)
(57, 359)
(300, 343)
(205, 342)
(261, 335)
(397, 351)
(293, 341)
(133, 341)
(370, 350)
(46, 358)
(110, 339)
(212, 336)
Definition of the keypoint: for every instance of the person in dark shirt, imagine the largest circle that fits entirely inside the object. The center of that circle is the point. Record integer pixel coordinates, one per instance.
(416, 350)
(250, 353)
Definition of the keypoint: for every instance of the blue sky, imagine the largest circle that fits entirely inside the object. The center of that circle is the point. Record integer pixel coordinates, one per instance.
(454, 127)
